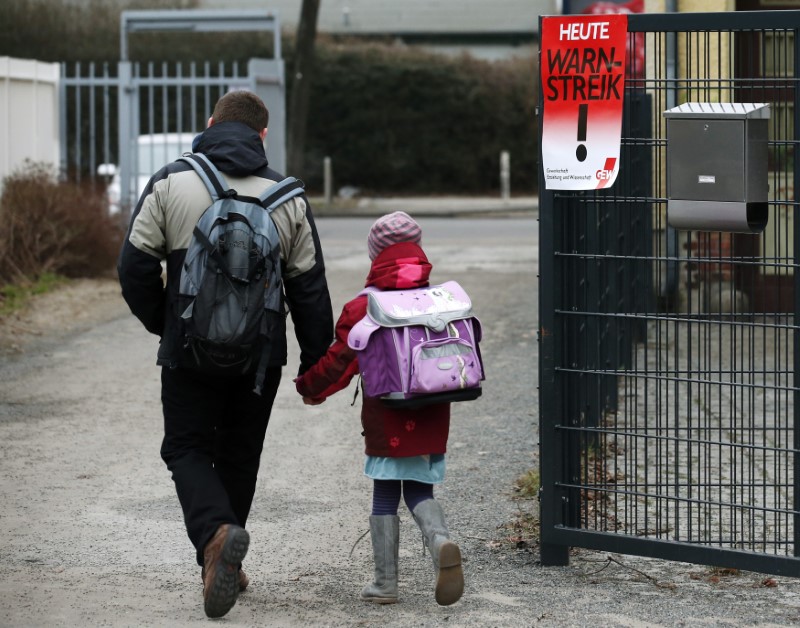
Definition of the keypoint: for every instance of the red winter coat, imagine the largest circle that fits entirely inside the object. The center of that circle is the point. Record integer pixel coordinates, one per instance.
(387, 432)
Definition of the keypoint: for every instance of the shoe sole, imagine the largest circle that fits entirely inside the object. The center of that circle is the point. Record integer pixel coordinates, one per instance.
(450, 581)
(380, 600)
(224, 589)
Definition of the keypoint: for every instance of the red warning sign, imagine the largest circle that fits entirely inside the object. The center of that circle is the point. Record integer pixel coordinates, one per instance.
(582, 69)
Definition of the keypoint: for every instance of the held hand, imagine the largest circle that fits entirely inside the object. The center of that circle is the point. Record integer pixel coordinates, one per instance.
(312, 402)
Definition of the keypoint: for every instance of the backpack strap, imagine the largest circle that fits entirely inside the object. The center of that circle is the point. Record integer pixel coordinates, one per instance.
(216, 185)
(281, 192)
(271, 198)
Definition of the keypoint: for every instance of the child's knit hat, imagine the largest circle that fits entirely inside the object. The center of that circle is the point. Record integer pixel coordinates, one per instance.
(391, 229)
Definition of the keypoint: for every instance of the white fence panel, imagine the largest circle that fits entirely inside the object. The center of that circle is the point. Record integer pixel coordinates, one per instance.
(29, 113)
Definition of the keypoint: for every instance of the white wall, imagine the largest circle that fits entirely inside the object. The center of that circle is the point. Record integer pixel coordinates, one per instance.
(29, 113)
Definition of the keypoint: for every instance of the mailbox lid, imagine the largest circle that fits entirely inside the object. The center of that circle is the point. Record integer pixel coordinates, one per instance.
(720, 110)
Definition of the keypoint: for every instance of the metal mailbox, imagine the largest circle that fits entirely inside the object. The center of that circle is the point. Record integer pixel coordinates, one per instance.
(717, 166)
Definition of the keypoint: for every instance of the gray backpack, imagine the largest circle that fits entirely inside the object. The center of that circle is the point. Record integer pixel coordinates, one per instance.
(230, 293)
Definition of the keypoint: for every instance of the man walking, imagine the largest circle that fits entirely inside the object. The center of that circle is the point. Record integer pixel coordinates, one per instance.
(214, 427)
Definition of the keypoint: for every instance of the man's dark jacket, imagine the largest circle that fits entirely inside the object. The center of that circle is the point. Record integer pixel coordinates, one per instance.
(161, 229)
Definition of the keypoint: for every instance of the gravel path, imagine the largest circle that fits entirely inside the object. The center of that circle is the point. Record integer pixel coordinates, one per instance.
(92, 531)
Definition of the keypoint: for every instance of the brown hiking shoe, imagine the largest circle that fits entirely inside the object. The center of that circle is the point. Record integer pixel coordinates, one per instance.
(222, 556)
(243, 579)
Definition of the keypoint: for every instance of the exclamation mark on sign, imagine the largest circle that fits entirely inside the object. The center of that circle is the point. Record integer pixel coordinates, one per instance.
(583, 113)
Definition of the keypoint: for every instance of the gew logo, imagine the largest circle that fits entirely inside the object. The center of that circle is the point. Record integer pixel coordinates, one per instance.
(608, 170)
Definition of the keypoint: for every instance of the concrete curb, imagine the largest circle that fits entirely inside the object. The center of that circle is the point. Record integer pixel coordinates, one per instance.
(444, 206)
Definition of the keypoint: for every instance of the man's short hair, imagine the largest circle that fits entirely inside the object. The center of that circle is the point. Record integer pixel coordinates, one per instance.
(242, 106)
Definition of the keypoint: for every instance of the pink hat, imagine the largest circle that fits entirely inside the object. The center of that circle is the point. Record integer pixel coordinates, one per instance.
(392, 229)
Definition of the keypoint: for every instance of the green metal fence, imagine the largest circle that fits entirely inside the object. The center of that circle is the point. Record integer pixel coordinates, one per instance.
(669, 410)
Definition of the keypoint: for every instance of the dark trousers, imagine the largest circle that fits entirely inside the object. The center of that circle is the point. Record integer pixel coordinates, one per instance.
(214, 431)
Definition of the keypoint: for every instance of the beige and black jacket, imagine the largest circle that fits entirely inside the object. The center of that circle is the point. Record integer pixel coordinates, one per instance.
(161, 229)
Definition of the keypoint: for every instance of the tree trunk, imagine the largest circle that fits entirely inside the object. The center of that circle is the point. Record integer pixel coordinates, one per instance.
(299, 98)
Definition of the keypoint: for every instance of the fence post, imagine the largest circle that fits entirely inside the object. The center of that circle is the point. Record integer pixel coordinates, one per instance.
(505, 175)
(552, 500)
(127, 102)
(62, 124)
(327, 180)
(268, 82)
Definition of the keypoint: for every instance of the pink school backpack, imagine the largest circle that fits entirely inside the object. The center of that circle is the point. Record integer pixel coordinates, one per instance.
(419, 346)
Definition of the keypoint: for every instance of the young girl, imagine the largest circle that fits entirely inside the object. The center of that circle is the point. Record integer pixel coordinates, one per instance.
(405, 447)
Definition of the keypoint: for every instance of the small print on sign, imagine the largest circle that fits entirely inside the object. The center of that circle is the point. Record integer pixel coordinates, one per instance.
(582, 72)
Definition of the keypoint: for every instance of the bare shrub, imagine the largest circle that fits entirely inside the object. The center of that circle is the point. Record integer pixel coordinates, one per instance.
(50, 226)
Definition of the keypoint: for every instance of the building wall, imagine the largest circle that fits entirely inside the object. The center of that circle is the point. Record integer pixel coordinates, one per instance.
(409, 16)
(489, 30)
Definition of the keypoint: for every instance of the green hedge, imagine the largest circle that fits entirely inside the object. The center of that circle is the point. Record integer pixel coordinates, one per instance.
(393, 119)
(400, 120)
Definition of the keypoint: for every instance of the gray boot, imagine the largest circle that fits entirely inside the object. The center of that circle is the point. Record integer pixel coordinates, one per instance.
(446, 555)
(385, 533)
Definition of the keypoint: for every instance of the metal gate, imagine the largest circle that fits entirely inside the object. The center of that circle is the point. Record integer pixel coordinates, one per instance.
(120, 122)
(669, 410)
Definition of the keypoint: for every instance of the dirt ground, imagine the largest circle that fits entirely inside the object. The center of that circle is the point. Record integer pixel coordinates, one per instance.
(60, 313)
(91, 532)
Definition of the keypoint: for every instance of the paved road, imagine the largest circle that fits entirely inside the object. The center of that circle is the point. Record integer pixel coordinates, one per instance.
(92, 532)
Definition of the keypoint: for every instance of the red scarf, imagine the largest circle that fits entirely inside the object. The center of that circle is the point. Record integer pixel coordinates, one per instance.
(400, 266)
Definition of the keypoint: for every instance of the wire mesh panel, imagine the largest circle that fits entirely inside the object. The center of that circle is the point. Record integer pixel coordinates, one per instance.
(172, 103)
(122, 122)
(667, 358)
(87, 118)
